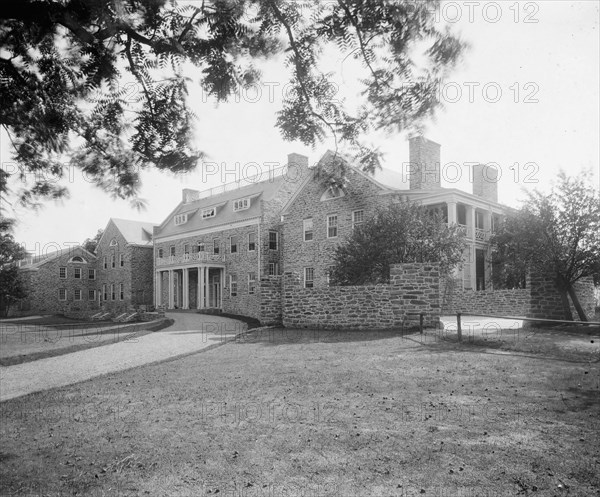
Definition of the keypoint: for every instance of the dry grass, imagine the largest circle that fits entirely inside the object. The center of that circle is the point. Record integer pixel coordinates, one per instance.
(281, 412)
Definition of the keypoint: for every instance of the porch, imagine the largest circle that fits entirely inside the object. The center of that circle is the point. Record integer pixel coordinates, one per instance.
(190, 287)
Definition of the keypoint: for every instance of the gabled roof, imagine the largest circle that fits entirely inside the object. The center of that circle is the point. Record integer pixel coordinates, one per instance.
(40, 260)
(223, 202)
(135, 232)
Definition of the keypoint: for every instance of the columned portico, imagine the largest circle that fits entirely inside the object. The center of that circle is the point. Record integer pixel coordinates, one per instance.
(200, 291)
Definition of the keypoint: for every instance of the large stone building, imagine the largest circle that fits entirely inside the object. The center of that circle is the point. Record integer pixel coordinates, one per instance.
(213, 249)
(317, 218)
(74, 281)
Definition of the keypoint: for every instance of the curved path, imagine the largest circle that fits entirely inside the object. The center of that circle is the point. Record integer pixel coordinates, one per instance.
(190, 333)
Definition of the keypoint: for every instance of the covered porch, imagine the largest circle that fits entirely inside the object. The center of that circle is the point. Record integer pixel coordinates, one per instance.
(190, 287)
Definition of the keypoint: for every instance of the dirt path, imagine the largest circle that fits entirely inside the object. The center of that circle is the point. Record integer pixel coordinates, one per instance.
(190, 333)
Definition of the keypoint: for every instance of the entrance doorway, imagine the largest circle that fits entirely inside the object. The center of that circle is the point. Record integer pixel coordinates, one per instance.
(480, 268)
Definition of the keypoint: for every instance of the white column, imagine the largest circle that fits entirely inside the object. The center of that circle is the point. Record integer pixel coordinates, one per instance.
(185, 304)
(158, 294)
(171, 285)
(201, 303)
(451, 212)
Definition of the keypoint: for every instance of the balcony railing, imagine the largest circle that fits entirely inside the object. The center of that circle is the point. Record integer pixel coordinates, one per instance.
(188, 258)
(464, 230)
(482, 235)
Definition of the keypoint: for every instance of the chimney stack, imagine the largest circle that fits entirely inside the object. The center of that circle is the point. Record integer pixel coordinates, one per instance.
(188, 195)
(297, 167)
(485, 182)
(424, 156)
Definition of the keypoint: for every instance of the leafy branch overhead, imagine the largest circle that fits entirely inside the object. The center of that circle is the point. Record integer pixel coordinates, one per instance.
(65, 66)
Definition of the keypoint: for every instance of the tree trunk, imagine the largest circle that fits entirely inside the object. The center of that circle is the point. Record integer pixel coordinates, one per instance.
(564, 298)
(576, 303)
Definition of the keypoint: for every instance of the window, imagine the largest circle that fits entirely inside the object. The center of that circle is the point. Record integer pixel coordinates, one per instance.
(77, 259)
(104, 294)
(180, 219)
(273, 239)
(121, 260)
(241, 204)
(186, 248)
(233, 244)
(91, 294)
(113, 242)
(160, 253)
(77, 294)
(216, 246)
(121, 291)
(210, 212)
(309, 276)
(232, 285)
(308, 229)
(91, 274)
(201, 247)
(77, 273)
(251, 282)
(112, 291)
(332, 192)
(273, 269)
(104, 263)
(330, 271)
(62, 272)
(62, 294)
(112, 260)
(332, 226)
(358, 217)
(251, 242)
(172, 250)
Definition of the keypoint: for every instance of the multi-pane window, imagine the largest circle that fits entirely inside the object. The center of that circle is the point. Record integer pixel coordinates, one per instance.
(358, 217)
(273, 269)
(186, 249)
(251, 241)
(112, 292)
(121, 291)
(104, 262)
(207, 213)
(241, 204)
(77, 294)
(309, 277)
(233, 244)
(201, 247)
(216, 246)
(104, 293)
(62, 272)
(62, 294)
(273, 240)
(233, 285)
(91, 274)
(112, 261)
(251, 282)
(332, 226)
(77, 273)
(121, 260)
(180, 219)
(172, 250)
(308, 229)
(160, 253)
(91, 294)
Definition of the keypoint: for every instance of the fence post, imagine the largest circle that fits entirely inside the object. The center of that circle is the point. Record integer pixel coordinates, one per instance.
(459, 327)
(421, 322)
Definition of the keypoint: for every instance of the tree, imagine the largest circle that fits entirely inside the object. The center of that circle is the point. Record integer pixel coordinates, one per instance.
(90, 244)
(12, 288)
(404, 232)
(556, 233)
(65, 67)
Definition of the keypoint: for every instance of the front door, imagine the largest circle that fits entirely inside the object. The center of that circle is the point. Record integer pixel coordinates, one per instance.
(216, 290)
(480, 268)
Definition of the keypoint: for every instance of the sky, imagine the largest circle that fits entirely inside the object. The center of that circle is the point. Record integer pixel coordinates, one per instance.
(525, 98)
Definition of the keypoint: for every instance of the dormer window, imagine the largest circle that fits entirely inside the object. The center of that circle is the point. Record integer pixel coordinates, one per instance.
(181, 219)
(332, 192)
(241, 204)
(208, 213)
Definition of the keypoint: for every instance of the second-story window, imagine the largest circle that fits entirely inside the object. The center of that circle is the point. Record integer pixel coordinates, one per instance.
(172, 250)
(273, 240)
(121, 260)
(251, 242)
(105, 262)
(112, 261)
(358, 217)
(308, 229)
(77, 273)
(201, 247)
(233, 244)
(62, 273)
(216, 246)
(332, 226)
(160, 253)
(91, 274)
(186, 249)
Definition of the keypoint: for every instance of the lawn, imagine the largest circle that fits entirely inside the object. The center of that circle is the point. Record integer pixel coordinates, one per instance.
(290, 412)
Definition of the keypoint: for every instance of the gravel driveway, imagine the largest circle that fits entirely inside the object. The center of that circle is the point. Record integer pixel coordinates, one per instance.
(190, 333)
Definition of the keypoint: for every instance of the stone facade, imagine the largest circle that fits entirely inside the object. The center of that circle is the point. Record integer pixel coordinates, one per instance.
(61, 283)
(413, 288)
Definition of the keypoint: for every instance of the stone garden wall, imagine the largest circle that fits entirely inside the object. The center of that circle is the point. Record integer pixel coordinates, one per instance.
(413, 288)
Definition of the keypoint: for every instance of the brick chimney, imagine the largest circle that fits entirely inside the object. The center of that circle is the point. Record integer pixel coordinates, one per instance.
(188, 195)
(424, 156)
(297, 166)
(485, 182)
